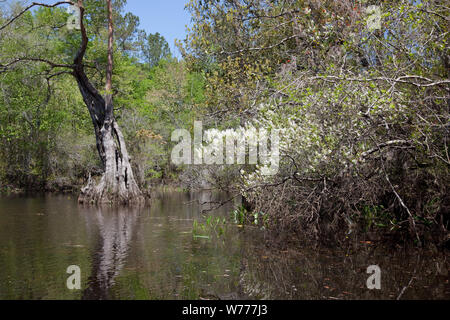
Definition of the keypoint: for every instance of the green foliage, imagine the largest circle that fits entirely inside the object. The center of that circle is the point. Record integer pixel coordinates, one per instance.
(45, 129)
(363, 112)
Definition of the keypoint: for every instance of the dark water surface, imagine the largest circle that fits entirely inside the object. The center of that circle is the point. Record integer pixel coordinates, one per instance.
(150, 253)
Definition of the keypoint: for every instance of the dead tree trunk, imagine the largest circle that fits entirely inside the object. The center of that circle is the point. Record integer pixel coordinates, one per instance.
(117, 184)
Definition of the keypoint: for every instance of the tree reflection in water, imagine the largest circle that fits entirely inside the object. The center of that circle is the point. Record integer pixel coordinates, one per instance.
(115, 227)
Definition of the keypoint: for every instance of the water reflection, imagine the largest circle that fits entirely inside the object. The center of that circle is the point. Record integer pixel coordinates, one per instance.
(150, 253)
(116, 228)
(309, 272)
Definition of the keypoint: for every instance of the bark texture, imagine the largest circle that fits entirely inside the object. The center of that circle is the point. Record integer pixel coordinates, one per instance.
(117, 184)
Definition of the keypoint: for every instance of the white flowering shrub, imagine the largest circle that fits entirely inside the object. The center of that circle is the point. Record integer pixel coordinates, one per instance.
(360, 95)
(346, 149)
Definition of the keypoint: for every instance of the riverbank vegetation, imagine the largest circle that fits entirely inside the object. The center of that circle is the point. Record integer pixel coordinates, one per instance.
(360, 95)
(362, 102)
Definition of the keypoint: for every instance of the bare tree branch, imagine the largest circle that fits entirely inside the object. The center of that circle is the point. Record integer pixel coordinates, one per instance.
(31, 6)
(50, 63)
(385, 144)
(260, 48)
(402, 79)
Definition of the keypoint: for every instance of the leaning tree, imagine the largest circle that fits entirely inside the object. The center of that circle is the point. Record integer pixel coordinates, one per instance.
(117, 184)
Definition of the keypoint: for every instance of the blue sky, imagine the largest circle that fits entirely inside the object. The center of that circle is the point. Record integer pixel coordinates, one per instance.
(167, 17)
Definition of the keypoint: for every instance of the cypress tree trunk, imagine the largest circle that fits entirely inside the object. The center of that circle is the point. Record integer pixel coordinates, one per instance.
(117, 184)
